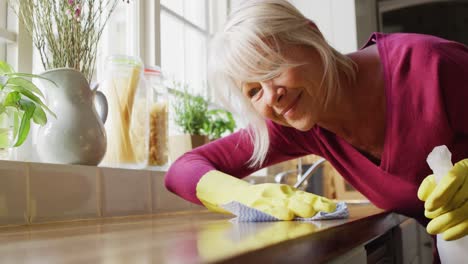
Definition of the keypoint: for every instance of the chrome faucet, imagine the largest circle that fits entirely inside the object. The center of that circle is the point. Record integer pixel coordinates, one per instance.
(301, 177)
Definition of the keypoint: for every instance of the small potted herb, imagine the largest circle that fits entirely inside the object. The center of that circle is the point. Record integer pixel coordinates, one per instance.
(198, 124)
(218, 122)
(190, 113)
(20, 101)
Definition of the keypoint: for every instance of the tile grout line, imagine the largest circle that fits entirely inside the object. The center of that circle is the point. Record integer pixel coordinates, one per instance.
(99, 188)
(28, 194)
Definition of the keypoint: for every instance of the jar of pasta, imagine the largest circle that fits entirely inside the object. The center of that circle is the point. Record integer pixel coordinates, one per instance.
(127, 124)
(158, 117)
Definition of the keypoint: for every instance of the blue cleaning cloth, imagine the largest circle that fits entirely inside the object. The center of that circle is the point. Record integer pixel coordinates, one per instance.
(244, 213)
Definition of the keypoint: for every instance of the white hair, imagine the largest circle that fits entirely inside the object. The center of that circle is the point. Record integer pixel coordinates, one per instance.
(248, 50)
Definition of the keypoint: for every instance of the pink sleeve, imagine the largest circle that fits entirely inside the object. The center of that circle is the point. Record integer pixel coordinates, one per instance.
(453, 78)
(229, 155)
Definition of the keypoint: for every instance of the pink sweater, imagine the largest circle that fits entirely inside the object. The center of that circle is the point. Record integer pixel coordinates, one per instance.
(426, 86)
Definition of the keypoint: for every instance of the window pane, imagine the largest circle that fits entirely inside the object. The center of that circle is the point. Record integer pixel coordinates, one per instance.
(192, 10)
(195, 12)
(2, 51)
(174, 5)
(37, 66)
(235, 3)
(195, 61)
(118, 37)
(172, 47)
(117, 31)
(3, 14)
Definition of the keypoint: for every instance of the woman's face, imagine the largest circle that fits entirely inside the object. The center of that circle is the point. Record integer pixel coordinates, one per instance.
(293, 98)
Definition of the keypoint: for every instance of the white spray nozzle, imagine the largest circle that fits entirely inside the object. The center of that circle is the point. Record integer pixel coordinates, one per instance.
(440, 161)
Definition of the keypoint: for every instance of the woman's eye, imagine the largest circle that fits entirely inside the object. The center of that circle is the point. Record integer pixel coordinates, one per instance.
(253, 91)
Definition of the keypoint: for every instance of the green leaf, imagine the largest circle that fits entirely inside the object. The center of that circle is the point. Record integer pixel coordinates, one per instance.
(33, 97)
(12, 99)
(3, 81)
(25, 84)
(39, 116)
(218, 122)
(5, 68)
(190, 112)
(28, 107)
(28, 75)
(2, 108)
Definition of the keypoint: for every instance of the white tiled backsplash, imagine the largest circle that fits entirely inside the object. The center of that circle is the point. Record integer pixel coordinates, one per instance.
(36, 192)
(13, 193)
(61, 192)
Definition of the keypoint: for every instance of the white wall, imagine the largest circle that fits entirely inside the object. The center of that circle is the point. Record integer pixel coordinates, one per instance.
(335, 18)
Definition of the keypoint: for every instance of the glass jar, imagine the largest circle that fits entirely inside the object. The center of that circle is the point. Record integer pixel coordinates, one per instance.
(127, 122)
(9, 122)
(158, 117)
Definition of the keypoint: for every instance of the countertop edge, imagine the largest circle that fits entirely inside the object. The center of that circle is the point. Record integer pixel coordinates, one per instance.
(324, 245)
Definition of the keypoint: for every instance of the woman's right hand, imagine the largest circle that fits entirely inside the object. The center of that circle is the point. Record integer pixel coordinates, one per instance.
(279, 200)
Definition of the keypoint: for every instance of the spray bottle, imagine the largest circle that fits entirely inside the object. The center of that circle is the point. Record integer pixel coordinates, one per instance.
(456, 251)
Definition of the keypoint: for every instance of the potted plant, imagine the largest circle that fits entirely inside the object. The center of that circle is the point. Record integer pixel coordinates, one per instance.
(20, 102)
(197, 122)
(218, 122)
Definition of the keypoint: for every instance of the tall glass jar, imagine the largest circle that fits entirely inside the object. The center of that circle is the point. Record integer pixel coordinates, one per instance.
(127, 122)
(9, 122)
(158, 117)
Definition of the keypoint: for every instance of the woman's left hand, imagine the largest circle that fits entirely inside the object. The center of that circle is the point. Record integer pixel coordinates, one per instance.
(446, 202)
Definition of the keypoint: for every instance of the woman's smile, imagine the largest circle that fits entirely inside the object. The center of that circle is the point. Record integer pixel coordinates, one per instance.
(289, 111)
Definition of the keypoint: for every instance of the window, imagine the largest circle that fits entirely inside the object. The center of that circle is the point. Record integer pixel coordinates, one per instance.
(3, 24)
(184, 34)
(120, 36)
(15, 43)
(170, 33)
(8, 35)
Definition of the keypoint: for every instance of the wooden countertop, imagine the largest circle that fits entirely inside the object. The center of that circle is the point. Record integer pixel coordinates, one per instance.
(192, 237)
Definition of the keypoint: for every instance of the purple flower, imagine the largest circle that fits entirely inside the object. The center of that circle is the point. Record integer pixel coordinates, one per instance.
(71, 2)
(77, 11)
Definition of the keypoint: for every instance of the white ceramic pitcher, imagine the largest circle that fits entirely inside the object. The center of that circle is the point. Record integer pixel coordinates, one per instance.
(77, 135)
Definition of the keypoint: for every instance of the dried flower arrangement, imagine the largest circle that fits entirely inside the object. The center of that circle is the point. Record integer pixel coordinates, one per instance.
(66, 32)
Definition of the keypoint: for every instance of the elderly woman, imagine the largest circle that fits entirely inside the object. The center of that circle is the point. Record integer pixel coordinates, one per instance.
(374, 114)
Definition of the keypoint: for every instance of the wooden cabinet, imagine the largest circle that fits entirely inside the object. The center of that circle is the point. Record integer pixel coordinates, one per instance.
(413, 243)
(355, 256)
(382, 249)
(407, 243)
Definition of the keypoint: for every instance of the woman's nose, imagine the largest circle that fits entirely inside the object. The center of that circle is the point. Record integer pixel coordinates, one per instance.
(272, 93)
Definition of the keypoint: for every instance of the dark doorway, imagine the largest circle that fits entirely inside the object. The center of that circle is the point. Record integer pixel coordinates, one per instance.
(446, 19)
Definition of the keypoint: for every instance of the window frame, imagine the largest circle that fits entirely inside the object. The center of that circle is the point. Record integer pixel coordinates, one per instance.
(146, 18)
(19, 47)
(215, 14)
(5, 35)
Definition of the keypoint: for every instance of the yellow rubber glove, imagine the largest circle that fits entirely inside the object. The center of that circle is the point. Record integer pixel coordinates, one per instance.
(279, 200)
(446, 202)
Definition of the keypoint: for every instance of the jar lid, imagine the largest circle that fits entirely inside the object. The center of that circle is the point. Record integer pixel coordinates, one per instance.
(124, 60)
(153, 70)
